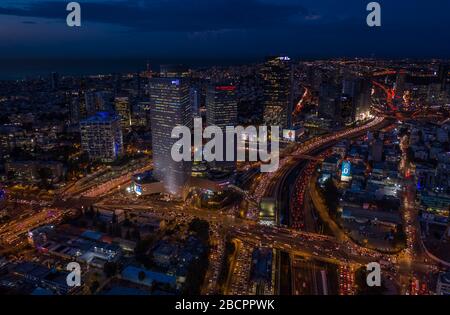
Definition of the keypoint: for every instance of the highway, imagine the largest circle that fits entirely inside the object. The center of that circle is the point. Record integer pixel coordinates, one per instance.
(295, 242)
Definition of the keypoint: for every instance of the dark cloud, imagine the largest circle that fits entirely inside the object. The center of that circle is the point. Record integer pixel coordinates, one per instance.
(175, 15)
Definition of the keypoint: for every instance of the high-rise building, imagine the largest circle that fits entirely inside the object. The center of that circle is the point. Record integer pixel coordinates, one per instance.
(97, 101)
(443, 71)
(221, 111)
(364, 99)
(101, 137)
(221, 105)
(358, 91)
(77, 107)
(348, 109)
(443, 284)
(123, 110)
(278, 101)
(170, 107)
(141, 114)
(329, 101)
(55, 80)
(117, 83)
(195, 97)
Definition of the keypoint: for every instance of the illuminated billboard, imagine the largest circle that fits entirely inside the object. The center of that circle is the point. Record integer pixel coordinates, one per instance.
(346, 171)
(267, 214)
(138, 189)
(289, 135)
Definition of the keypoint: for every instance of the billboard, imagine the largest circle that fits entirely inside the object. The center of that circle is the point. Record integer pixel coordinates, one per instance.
(346, 171)
(293, 134)
(267, 214)
(289, 135)
(138, 189)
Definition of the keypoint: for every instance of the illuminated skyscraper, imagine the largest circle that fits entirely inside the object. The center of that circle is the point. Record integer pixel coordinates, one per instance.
(221, 111)
(170, 106)
(101, 137)
(444, 69)
(329, 101)
(77, 107)
(278, 102)
(221, 105)
(123, 109)
(55, 80)
(356, 100)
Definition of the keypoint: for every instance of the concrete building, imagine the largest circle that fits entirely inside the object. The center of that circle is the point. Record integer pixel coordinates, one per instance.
(101, 137)
(122, 108)
(443, 284)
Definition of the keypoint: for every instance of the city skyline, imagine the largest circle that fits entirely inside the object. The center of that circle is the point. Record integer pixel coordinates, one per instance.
(225, 154)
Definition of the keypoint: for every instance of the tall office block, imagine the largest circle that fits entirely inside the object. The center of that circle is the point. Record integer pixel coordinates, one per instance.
(170, 106)
(101, 137)
(122, 108)
(221, 111)
(329, 101)
(278, 101)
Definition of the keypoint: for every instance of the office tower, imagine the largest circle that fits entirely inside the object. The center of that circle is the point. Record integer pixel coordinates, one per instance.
(117, 83)
(400, 88)
(358, 91)
(329, 101)
(138, 84)
(101, 137)
(141, 114)
(55, 80)
(221, 111)
(77, 107)
(278, 101)
(195, 96)
(74, 112)
(348, 109)
(97, 101)
(443, 70)
(123, 110)
(170, 103)
(91, 104)
(221, 105)
(363, 99)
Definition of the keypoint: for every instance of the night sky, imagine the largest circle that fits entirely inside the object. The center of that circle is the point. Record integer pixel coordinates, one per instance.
(223, 29)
